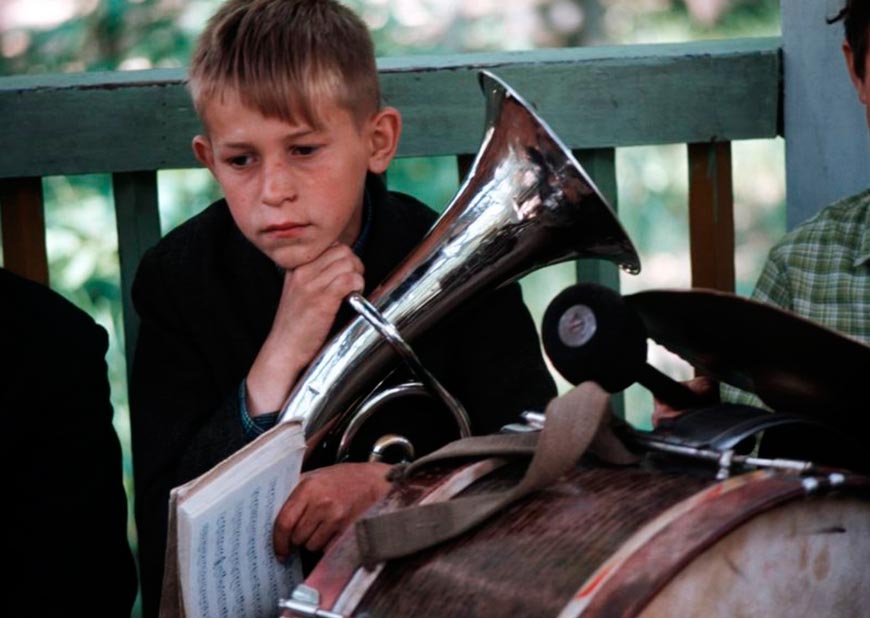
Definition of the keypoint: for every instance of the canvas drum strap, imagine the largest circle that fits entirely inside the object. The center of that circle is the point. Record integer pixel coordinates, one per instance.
(575, 422)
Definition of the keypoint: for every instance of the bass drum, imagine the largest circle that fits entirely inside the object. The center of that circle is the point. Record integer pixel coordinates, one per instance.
(623, 542)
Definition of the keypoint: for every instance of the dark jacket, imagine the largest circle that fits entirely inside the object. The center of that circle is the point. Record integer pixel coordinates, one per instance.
(207, 298)
(66, 543)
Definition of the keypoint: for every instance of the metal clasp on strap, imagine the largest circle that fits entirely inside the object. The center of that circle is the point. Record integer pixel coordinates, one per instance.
(305, 601)
(726, 461)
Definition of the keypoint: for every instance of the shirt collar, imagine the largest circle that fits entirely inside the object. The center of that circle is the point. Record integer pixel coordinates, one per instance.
(366, 226)
(863, 254)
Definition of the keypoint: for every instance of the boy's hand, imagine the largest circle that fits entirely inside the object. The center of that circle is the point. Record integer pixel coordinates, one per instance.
(325, 502)
(702, 385)
(310, 299)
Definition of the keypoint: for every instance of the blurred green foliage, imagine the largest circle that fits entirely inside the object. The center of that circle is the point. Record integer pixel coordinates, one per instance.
(118, 34)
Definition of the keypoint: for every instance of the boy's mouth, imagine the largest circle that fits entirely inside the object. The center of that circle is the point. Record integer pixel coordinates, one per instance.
(285, 230)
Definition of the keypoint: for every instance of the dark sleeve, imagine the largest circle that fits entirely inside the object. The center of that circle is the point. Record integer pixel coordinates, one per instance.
(496, 363)
(182, 423)
(70, 507)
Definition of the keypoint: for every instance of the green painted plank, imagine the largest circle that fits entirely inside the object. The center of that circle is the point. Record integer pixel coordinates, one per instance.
(572, 55)
(600, 97)
(600, 166)
(105, 128)
(592, 97)
(138, 220)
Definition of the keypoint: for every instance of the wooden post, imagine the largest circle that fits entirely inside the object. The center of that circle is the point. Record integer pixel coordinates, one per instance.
(138, 221)
(711, 216)
(600, 165)
(23, 222)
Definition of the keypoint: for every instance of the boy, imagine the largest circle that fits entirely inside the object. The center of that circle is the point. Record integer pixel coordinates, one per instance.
(238, 300)
(821, 269)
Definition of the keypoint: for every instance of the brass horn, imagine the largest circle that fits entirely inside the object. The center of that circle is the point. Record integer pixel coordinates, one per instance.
(526, 203)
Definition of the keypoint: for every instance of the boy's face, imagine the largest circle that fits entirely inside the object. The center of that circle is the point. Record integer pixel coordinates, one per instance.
(862, 84)
(293, 189)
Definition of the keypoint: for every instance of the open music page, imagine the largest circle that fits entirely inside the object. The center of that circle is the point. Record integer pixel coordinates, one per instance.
(223, 521)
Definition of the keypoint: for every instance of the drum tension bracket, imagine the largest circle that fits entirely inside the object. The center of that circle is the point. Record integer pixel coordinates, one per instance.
(727, 460)
(305, 601)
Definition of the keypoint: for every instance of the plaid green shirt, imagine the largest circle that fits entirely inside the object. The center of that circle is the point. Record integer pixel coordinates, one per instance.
(821, 271)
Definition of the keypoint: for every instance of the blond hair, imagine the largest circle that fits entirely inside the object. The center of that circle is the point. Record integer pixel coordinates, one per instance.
(281, 57)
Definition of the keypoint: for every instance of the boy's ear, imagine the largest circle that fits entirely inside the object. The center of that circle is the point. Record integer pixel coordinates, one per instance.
(856, 81)
(385, 128)
(202, 151)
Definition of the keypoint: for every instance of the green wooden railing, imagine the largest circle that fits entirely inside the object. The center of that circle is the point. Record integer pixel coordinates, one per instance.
(133, 124)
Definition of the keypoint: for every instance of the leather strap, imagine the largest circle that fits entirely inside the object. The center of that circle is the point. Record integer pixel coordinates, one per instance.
(492, 445)
(573, 422)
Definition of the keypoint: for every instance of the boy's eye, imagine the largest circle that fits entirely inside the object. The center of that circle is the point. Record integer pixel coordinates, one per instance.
(239, 160)
(303, 150)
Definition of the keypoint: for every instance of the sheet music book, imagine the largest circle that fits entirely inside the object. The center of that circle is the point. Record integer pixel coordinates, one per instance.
(219, 557)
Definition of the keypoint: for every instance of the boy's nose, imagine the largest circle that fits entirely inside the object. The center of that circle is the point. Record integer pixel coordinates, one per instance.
(278, 185)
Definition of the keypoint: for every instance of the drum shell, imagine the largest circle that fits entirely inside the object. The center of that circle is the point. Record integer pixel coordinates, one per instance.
(586, 533)
(808, 557)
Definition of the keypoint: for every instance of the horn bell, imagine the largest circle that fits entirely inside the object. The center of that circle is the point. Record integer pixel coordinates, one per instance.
(526, 203)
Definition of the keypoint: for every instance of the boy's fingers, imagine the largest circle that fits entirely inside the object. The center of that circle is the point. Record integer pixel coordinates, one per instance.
(704, 385)
(319, 276)
(345, 283)
(662, 412)
(335, 270)
(325, 260)
(331, 287)
(306, 526)
(324, 533)
(325, 502)
(285, 524)
(701, 385)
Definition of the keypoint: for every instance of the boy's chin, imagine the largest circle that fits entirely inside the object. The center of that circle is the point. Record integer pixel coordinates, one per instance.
(285, 262)
(290, 258)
